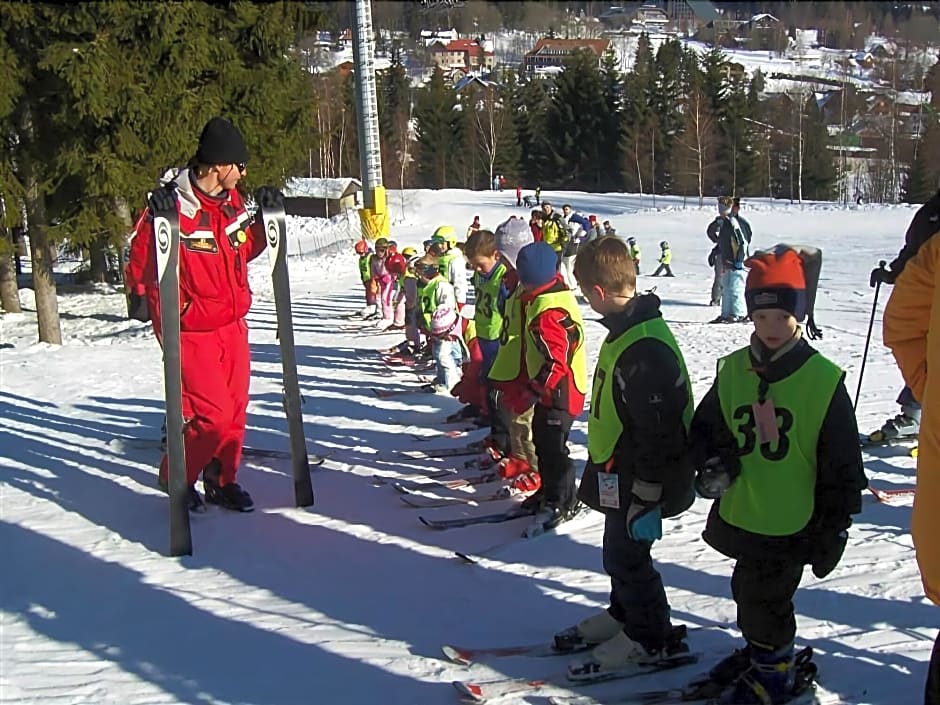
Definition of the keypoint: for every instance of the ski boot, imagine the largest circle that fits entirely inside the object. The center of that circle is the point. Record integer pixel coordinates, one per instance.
(549, 516)
(773, 677)
(589, 632)
(904, 425)
(194, 500)
(621, 652)
(230, 496)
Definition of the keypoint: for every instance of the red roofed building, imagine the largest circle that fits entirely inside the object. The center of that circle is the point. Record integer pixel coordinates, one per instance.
(552, 52)
(468, 55)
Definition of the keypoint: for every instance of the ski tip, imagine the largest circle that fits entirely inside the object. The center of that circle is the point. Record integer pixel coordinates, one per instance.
(466, 557)
(452, 653)
(471, 691)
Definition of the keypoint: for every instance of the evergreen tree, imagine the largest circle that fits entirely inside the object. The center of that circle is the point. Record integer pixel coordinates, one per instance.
(434, 108)
(639, 123)
(923, 179)
(738, 140)
(393, 93)
(509, 155)
(531, 107)
(819, 167)
(575, 122)
(666, 102)
(611, 175)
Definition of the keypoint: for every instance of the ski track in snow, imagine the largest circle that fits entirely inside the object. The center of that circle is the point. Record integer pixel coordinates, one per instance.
(350, 601)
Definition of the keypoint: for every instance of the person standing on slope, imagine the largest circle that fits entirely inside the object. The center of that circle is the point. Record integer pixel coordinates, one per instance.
(217, 240)
(776, 447)
(911, 322)
(924, 225)
(638, 469)
(734, 238)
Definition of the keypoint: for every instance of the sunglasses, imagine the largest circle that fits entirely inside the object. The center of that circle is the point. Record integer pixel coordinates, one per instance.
(241, 166)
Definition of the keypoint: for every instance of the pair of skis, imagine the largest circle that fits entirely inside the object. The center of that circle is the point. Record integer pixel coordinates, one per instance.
(701, 689)
(166, 232)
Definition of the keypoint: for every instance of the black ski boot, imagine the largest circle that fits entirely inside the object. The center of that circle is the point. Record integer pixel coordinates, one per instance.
(196, 505)
(230, 496)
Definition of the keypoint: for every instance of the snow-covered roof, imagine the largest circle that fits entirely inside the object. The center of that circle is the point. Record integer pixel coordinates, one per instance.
(321, 188)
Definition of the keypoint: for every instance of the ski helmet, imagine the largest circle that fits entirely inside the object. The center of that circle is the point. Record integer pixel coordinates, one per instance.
(362, 247)
(392, 246)
(409, 252)
(381, 243)
(631, 240)
(664, 245)
(395, 264)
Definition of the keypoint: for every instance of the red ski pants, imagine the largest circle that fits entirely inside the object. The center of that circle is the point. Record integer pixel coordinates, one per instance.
(216, 372)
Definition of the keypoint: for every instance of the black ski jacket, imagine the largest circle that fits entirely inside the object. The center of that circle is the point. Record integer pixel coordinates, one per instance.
(650, 396)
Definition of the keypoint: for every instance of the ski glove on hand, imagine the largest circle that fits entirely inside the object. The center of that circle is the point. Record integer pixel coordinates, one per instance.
(827, 551)
(137, 308)
(164, 198)
(644, 516)
(270, 197)
(881, 275)
(716, 476)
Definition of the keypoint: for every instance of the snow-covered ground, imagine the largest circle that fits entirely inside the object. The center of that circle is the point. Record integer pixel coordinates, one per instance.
(350, 601)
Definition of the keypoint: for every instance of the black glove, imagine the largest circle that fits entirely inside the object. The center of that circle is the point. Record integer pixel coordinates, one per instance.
(164, 198)
(714, 478)
(882, 275)
(270, 198)
(137, 308)
(712, 258)
(827, 550)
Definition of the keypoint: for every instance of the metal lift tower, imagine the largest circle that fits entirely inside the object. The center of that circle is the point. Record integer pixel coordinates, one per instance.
(374, 215)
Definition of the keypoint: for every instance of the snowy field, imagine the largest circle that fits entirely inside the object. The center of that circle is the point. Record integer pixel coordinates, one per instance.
(350, 601)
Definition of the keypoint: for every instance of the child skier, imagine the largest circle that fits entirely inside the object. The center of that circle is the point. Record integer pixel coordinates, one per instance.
(397, 266)
(368, 283)
(554, 363)
(776, 442)
(447, 348)
(385, 281)
(451, 261)
(665, 261)
(519, 458)
(634, 253)
(638, 469)
(490, 297)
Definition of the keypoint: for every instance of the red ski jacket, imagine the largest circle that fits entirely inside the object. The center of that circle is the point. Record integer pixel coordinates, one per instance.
(217, 240)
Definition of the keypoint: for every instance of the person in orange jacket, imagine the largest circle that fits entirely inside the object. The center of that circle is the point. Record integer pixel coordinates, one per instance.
(912, 313)
(217, 240)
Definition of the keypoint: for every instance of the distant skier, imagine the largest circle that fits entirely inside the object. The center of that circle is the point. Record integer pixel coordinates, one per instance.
(665, 261)
(776, 444)
(924, 225)
(634, 253)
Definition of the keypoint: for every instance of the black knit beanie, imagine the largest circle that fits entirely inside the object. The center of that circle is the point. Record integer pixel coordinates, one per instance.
(221, 143)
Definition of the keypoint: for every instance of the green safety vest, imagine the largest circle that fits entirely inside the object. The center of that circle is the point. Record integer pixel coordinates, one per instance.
(775, 493)
(533, 357)
(634, 251)
(428, 298)
(489, 321)
(508, 361)
(365, 267)
(443, 263)
(666, 258)
(605, 427)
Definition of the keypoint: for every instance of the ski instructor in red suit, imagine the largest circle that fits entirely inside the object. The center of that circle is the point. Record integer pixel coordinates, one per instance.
(217, 240)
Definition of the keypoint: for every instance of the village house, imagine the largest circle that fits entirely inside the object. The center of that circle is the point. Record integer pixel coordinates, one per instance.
(550, 54)
(462, 56)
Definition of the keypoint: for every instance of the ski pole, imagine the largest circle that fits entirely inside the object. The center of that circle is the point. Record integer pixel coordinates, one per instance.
(871, 324)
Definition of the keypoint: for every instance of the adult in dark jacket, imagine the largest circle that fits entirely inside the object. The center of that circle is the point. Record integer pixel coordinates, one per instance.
(925, 224)
(734, 239)
(786, 484)
(637, 452)
(712, 232)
